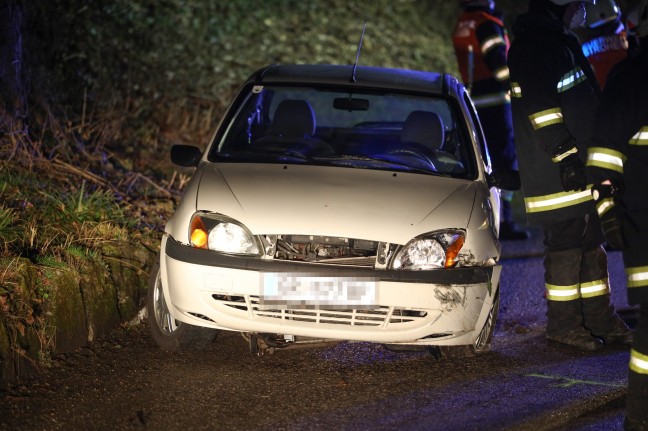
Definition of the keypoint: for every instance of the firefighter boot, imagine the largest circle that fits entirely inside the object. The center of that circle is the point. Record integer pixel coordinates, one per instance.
(604, 323)
(565, 328)
(598, 313)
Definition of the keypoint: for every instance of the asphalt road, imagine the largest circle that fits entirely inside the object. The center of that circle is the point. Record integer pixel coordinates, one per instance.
(124, 382)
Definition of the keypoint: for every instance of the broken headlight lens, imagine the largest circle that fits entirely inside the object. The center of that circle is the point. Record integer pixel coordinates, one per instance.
(220, 233)
(431, 251)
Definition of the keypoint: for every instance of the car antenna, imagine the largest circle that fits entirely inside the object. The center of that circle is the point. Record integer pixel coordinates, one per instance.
(355, 65)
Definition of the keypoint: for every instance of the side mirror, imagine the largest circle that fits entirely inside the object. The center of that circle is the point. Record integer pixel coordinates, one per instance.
(506, 180)
(185, 155)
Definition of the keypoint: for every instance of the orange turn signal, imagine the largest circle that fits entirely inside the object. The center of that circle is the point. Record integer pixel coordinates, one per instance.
(199, 238)
(453, 251)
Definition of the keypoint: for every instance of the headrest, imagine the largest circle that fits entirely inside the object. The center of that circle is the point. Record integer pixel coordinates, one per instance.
(425, 128)
(293, 119)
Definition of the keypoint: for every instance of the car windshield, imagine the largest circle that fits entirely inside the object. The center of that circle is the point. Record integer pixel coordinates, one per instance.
(326, 126)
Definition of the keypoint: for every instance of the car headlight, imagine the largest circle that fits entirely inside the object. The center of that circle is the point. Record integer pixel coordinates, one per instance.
(431, 251)
(220, 233)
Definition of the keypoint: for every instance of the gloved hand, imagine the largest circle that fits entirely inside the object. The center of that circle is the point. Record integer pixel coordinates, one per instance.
(611, 213)
(572, 173)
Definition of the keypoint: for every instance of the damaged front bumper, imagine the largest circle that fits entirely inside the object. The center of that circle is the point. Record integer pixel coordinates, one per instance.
(437, 307)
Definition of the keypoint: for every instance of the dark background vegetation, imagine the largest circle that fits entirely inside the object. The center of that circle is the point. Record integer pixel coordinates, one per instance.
(94, 93)
(163, 70)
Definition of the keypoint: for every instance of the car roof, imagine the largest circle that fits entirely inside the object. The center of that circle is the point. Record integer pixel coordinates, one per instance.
(365, 77)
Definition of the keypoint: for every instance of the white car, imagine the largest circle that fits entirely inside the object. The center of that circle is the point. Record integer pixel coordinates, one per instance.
(336, 203)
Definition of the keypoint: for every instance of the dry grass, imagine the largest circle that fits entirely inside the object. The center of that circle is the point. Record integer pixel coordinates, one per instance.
(68, 191)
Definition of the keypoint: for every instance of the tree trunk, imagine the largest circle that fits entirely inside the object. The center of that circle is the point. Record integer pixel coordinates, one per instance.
(12, 84)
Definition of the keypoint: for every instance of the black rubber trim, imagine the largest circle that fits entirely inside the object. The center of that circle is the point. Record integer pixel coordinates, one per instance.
(196, 256)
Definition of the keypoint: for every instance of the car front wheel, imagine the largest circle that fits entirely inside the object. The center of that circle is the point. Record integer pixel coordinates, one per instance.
(482, 344)
(167, 332)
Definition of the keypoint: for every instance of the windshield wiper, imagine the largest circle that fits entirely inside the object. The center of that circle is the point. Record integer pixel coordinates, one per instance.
(382, 162)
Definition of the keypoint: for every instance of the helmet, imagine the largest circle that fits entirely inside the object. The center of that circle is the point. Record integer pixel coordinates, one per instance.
(638, 19)
(490, 4)
(601, 12)
(564, 2)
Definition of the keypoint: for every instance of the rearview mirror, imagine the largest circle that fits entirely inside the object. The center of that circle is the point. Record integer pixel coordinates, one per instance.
(351, 104)
(505, 180)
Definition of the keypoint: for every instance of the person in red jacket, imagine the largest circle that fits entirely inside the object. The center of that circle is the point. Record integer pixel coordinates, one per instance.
(605, 42)
(481, 44)
(617, 163)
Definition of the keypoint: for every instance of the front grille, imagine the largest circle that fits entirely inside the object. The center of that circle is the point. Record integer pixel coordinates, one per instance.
(324, 250)
(200, 316)
(380, 316)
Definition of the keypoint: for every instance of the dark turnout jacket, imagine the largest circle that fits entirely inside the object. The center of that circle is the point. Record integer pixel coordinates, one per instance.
(619, 152)
(619, 146)
(554, 98)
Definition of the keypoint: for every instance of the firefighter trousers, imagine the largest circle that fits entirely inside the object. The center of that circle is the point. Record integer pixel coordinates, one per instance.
(635, 256)
(637, 396)
(635, 260)
(576, 278)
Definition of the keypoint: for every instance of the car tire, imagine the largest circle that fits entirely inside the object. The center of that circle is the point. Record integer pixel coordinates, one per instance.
(483, 342)
(168, 333)
(485, 337)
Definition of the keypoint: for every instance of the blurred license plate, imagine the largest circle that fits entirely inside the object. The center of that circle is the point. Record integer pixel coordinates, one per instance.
(294, 291)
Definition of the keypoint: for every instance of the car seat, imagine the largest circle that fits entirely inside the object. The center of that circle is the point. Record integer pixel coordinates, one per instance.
(424, 128)
(293, 119)
(423, 131)
(292, 129)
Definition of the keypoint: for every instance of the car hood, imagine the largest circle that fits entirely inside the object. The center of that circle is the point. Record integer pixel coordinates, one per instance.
(334, 201)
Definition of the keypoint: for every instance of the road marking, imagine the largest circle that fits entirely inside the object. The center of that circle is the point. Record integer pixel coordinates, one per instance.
(567, 382)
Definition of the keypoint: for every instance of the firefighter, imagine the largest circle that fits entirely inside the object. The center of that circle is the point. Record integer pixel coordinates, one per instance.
(605, 42)
(617, 163)
(554, 97)
(481, 43)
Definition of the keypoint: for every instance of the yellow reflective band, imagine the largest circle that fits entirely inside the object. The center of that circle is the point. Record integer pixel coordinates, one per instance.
(491, 100)
(562, 293)
(546, 118)
(491, 43)
(604, 206)
(561, 157)
(557, 200)
(605, 158)
(637, 276)
(502, 74)
(516, 90)
(641, 138)
(638, 362)
(571, 79)
(594, 288)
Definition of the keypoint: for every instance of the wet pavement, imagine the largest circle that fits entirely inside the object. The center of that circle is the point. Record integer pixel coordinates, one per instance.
(124, 382)
(601, 408)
